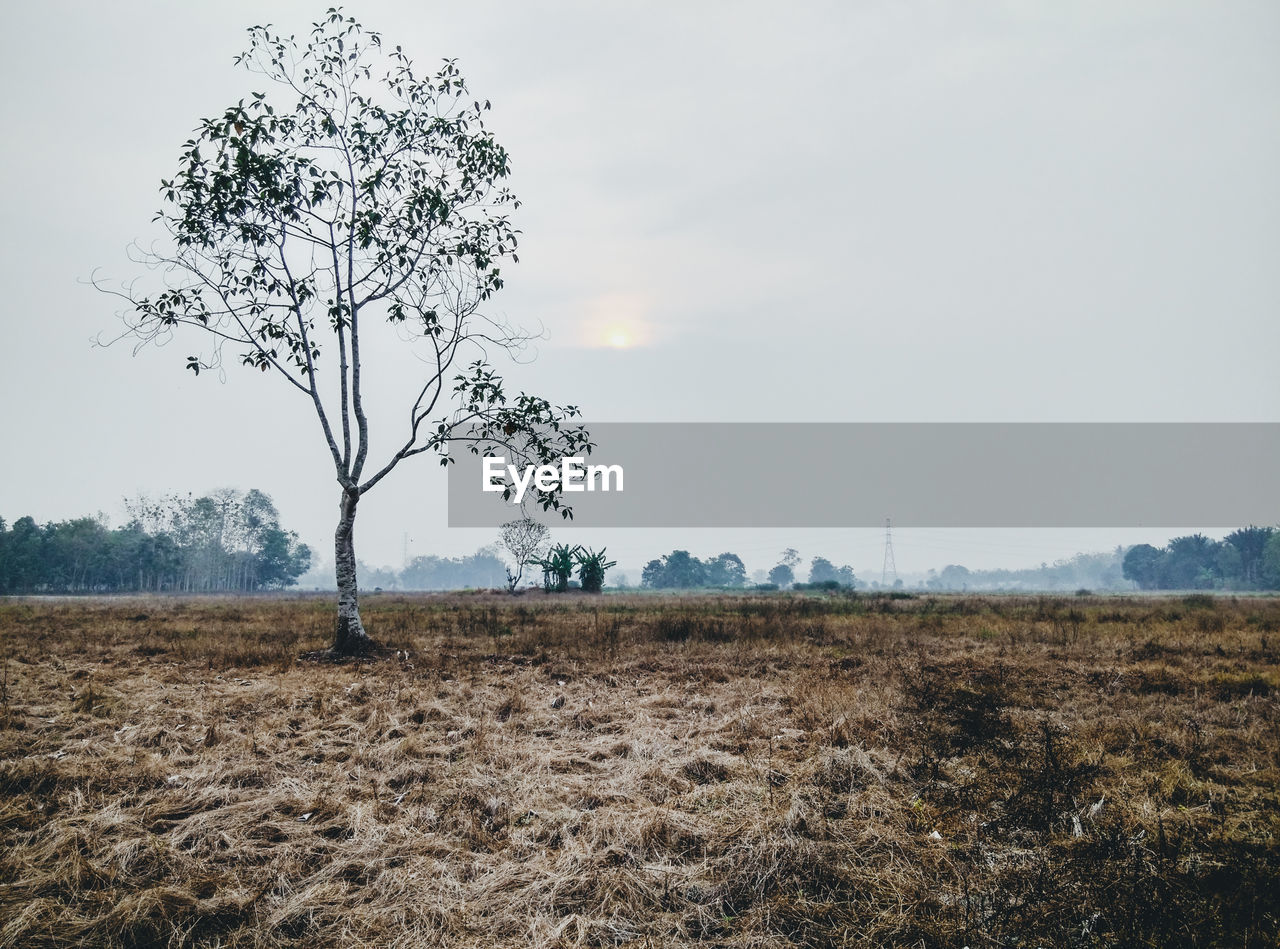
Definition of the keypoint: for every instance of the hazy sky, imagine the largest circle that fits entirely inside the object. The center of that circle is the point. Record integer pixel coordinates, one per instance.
(861, 211)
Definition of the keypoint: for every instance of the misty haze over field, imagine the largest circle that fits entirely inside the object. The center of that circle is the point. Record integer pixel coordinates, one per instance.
(935, 344)
(843, 212)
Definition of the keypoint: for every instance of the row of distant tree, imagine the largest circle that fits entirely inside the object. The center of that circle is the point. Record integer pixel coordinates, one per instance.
(680, 570)
(483, 570)
(1097, 571)
(227, 541)
(232, 541)
(1246, 559)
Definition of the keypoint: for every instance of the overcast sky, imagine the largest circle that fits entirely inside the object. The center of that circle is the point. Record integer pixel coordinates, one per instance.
(855, 211)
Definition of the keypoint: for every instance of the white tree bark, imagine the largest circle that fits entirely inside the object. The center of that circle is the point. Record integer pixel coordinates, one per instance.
(351, 638)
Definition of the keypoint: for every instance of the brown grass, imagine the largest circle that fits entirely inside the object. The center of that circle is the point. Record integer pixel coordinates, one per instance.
(637, 771)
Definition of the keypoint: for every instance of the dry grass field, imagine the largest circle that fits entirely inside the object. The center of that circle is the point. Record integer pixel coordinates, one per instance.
(639, 771)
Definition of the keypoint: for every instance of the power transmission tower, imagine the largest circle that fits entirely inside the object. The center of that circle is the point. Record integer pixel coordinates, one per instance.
(889, 566)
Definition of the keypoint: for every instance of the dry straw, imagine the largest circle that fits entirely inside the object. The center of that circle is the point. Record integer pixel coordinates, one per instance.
(633, 771)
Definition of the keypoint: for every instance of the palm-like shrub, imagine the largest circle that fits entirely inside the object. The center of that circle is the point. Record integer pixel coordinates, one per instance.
(591, 568)
(557, 566)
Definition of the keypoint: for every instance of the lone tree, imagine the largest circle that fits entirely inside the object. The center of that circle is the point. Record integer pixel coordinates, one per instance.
(526, 540)
(360, 195)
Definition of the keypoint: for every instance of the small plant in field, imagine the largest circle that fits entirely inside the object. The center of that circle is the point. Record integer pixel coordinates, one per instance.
(591, 569)
(4, 694)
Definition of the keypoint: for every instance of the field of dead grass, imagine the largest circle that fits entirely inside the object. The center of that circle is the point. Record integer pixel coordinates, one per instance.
(640, 771)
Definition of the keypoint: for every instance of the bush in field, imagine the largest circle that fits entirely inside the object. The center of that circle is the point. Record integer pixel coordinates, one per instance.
(591, 569)
(557, 567)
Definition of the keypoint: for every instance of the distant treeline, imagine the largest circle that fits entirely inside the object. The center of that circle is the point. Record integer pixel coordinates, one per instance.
(680, 570)
(482, 570)
(1246, 559)
(228, 541)
(1099, 571)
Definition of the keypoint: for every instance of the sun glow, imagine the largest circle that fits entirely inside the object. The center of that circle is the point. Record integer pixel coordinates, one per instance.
(616, 321)
(615, 333)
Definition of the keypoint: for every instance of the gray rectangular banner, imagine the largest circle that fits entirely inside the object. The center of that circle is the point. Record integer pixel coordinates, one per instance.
(698, 474)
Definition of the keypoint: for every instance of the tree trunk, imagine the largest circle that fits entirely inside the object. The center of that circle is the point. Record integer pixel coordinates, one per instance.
(350, 638)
